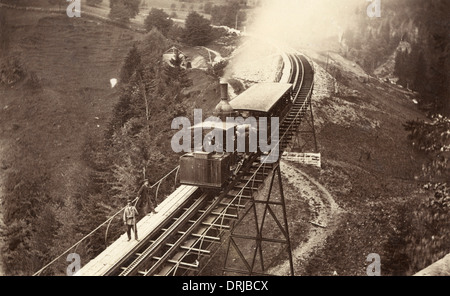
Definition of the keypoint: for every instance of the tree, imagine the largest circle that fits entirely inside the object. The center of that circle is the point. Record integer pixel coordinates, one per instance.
(207, 7)
(25, 199)
(123, 10)
(132, 62)
(175, 76)
(153, 46)
(227, 15)
(396, 259)
(158, 19)
(420, 76)
(401, 67)
(176, 33)
(197, 29)
(426, 67)
(433, 139)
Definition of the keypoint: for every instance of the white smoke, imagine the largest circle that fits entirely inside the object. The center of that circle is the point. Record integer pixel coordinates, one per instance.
(279, 25)
(302, 22)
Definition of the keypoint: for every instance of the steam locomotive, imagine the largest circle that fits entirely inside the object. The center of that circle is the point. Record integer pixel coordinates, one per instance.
(240, 124)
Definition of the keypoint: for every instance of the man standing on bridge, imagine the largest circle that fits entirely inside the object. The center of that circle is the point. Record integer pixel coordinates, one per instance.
(129, 219)
(151, 203)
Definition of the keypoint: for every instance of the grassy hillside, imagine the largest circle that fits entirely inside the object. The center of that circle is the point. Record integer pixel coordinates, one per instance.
(53, 122)
(372, 172)
(74, 59)
(64, 98)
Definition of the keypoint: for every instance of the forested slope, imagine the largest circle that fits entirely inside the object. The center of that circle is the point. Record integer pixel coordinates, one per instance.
(424, 64)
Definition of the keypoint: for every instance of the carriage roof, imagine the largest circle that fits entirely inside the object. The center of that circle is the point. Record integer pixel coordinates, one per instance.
(215, 125)
(260, 97)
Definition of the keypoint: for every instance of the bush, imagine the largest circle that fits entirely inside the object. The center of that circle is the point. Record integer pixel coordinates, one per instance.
(237, 86)
(217, 33)
(123, 10)
(421, 233)
(433, 139)
(197, 30)
(158, 19)
(12, 71)
(218, 68)
(227, 15)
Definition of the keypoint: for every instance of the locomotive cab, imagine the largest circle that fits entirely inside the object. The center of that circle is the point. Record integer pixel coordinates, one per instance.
(215, 161)
(209, 169)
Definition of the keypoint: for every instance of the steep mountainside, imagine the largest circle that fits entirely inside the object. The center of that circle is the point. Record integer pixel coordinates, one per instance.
(424, 65)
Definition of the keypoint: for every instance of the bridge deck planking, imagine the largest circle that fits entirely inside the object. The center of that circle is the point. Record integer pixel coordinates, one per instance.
(101, 264)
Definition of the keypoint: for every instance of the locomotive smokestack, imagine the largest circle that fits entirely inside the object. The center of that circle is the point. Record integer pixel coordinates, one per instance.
(224, 90)
(223, 109)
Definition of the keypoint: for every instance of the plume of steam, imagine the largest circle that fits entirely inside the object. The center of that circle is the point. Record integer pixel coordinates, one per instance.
(279, 25)
(302, 22)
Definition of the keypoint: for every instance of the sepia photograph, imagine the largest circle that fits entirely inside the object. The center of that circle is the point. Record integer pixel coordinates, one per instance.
(231, 145)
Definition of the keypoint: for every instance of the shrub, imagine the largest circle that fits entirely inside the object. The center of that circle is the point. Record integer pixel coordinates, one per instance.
(218, 68)
(433, 139)
(197, 29)
(158, 19)
(12, 71)
(237, 86)
(123, 10)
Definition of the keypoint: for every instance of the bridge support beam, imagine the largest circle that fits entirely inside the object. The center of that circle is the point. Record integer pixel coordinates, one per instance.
(251, 248)
(305, 139)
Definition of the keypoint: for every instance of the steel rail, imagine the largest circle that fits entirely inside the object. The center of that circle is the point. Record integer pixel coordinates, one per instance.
(158, 244)
(219, 220)
(162, 240)
(295, 75)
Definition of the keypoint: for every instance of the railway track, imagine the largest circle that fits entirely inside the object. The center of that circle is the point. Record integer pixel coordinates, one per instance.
(191, 232)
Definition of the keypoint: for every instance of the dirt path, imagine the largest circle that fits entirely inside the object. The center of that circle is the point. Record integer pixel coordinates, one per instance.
(215, 57)
(324, 217)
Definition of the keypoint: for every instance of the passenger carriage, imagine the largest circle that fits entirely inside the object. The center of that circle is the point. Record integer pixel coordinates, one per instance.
(215, 169)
